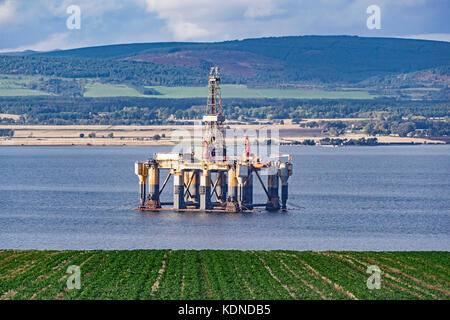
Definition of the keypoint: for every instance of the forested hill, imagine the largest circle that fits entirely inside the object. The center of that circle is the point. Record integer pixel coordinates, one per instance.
(316, 59)
(284, 59)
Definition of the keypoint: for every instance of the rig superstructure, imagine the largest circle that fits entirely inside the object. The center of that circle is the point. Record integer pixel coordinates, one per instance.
(210, 180)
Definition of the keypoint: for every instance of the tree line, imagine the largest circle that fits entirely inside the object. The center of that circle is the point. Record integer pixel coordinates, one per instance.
(388, 116)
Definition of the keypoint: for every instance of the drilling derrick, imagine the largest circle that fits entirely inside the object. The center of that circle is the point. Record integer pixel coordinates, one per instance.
(213, 136)
(212, 180)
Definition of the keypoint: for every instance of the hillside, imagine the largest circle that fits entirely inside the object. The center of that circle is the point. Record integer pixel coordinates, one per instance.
(263, 61)
(266, 78)
(285, 59)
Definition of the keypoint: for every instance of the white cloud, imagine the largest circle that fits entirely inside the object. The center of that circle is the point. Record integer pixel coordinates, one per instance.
(40, 24)
(7, 10)
(63, 40)
(262, 8)
(89, 8)
(210, 20)
(430, 36)
(187, 30)
(55, 41)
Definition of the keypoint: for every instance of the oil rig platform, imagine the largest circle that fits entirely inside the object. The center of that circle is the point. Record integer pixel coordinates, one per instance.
(211, 180)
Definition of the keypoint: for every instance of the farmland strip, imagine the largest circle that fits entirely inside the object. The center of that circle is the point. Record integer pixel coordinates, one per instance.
(155, 286)
(416, 270)
(183, 276)
(348, 259)
(325, 279)
(239, 273)
(285, 287)
(306, 283)
(389, 276)
(204, 272)
(418, 281)
(228, 274)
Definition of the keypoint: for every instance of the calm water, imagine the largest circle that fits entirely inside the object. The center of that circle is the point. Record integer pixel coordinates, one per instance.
(354, 198)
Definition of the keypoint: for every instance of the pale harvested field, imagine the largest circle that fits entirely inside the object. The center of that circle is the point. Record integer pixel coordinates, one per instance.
(15, 117)
(381, 139)
(81, 142)
(143, 135)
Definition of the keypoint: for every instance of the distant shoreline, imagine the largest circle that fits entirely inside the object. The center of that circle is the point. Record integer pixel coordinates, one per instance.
(159, 135)
(171, 145)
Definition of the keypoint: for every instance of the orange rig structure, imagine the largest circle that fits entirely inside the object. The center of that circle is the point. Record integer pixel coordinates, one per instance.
(211, 180)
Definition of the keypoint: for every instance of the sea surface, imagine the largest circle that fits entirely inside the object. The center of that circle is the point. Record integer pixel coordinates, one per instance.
(349, 198)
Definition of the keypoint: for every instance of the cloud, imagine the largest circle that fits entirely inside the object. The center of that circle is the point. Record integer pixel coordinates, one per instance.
(210, 20)
(7, 11)
(55, 41)
(188, 30)
(89, 8)
(262, 8)
(205, 20)
(41, 24)
(430, 36)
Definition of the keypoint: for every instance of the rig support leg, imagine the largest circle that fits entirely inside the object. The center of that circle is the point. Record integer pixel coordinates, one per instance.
(141, 171)
(284, 176)
(232, 204)
(243, 172)
(273, 202)
(153, 186)
(284, 195)
(194, 187)
(178, 190)
(221, 187)
(248, 191)
(205, 190)
(142, 191)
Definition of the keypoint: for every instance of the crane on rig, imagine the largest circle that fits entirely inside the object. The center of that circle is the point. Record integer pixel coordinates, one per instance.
(213, 137)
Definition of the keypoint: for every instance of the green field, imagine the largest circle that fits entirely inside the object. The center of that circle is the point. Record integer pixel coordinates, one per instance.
(214, 274)
(11, 85)
(15, 92)
(228, 91)
(99, 90)
(242, 91)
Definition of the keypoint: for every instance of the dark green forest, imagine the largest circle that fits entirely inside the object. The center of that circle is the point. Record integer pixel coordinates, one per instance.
(389, 116)
(144, 73)
(128, 110)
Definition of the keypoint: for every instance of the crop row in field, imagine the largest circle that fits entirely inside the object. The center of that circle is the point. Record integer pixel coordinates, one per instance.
(231, 274)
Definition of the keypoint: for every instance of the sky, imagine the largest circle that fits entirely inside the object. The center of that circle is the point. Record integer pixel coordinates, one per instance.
(45, 25)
